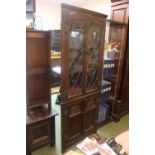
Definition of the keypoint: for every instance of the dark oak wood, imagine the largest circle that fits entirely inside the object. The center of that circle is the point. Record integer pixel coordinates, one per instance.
(38, 68)
(40, 117)
(80, 111)
(40, 127)
(120, 11)
(121, 105)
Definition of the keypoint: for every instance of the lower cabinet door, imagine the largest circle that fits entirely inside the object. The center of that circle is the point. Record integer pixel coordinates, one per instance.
(90, 116)
(79, 119)
(40, 133)
(72, 123)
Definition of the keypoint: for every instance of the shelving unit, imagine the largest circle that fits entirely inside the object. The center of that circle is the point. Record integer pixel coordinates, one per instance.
(113, 64)
(114, 52)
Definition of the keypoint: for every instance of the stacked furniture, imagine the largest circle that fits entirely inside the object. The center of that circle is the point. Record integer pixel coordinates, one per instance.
(40, 119)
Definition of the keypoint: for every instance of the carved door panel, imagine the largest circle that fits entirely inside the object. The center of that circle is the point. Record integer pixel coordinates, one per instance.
(90, 115)
(72, 122)
(40, 133)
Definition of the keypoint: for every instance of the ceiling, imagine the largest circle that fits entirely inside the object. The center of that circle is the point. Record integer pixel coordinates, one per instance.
(72, 2)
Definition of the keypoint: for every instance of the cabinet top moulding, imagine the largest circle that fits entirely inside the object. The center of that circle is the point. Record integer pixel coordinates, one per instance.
(118, 2)
(74, 8)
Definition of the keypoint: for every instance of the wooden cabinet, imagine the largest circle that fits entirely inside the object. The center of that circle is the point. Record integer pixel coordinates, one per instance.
(120, 11)
(115, 52)
(122, 102)
(37, 69)
(83, 34)
(79, 119)
(30, 10)
(40, 128)
(40, 123)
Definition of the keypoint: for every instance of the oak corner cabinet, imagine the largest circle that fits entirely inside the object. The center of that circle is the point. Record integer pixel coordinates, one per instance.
(40, 123)
(82, 50)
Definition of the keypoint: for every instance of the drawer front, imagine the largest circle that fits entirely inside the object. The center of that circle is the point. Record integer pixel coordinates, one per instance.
(40, 134)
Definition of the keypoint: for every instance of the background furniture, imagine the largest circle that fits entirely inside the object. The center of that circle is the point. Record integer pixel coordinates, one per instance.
(119, 12)
(37, 69)
(30, 10)
(55, 56)
(115, 59)
(83, 34)
(40, 123)
(116, 62)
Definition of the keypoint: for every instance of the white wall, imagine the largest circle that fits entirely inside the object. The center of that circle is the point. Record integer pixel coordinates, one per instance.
(102, 6)
(51, 13)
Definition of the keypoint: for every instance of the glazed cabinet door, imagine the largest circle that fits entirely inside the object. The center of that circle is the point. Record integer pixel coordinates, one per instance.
(72, 122)
(94, 53)
(82, 51)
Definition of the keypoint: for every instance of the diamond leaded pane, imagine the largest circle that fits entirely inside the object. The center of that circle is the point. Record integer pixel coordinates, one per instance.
(94, 33)
(76, 51)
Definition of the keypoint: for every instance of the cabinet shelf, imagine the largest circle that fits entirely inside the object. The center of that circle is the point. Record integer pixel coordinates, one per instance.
(56, 56)
(114, 77)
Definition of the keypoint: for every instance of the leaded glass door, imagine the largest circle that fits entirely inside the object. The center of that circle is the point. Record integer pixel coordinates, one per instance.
(82, 51)
(76, 57)
(94, 34)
